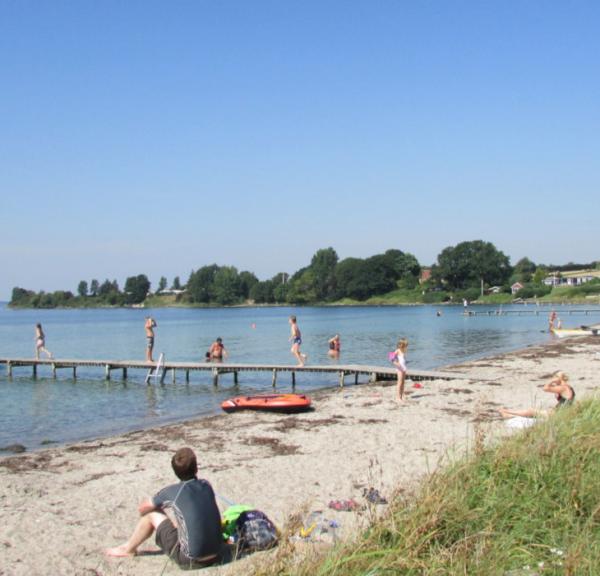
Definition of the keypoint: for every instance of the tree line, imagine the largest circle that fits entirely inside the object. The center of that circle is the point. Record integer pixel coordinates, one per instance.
(460, 271)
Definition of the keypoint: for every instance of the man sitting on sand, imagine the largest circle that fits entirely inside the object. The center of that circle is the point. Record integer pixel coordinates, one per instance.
(193, 537)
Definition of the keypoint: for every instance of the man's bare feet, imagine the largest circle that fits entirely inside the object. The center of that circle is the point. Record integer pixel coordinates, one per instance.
(119, 552)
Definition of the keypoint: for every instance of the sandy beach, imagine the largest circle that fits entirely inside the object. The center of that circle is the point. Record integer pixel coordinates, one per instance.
(62, 507)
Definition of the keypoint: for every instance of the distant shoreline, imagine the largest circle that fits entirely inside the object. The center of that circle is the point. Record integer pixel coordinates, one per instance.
(154, 306)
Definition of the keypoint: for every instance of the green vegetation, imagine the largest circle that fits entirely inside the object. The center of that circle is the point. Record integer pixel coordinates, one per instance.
(475, 271)
(530, 505)
(583, 293)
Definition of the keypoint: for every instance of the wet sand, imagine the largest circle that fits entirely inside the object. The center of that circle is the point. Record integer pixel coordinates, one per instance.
(62, 507)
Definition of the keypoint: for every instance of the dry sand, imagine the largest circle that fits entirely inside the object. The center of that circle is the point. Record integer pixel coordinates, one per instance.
(61, 507)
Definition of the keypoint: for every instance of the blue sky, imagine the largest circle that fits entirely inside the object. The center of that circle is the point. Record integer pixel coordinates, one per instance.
(157, 137)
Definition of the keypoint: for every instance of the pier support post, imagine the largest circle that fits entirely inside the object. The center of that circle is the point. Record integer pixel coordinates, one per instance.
(274, 380)
(9, 369)
(342, 374)
(215, 375)
(355, 378)
(173, 373)
(74, 372)
(34, 366)
(53, 370)
(124, 373)
(235, 377)
(293, 380)
(373, 377)
(107, 372)
(187, 376)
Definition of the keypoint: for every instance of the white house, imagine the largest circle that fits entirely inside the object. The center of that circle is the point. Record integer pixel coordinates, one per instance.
(572, 278)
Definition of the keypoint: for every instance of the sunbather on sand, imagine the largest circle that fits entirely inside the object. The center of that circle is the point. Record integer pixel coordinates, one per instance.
(559, 386)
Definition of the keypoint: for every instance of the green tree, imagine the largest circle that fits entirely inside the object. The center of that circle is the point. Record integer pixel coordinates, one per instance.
(301, 288)
(106, 288)
(524, 270)
(350, 274)
(21, 297)
(82, 289)
(226, 286)
(468, 264)
(262, 292)
(200, 284)
(322, 268)
(176, 283)
(162, 284)
(246, 281)
(136, 288)
(94, 287)
(402, 263)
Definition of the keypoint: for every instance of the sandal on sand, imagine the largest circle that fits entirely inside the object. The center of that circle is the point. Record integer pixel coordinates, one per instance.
(373, 496)
(344, 505)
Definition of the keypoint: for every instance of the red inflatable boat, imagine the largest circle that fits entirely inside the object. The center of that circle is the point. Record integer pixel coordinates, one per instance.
(268, 402)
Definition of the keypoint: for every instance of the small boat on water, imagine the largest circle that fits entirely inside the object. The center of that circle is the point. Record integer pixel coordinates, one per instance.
(268, 402)
(581, 331)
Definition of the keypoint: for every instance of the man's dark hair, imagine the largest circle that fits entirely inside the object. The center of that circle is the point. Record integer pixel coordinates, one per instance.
(184, 464)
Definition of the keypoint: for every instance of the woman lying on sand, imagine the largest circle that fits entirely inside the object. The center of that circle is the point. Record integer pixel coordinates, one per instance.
(559, 385)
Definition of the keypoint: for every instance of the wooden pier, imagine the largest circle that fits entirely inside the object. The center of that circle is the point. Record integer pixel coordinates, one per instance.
(373, 373)
(531, 311)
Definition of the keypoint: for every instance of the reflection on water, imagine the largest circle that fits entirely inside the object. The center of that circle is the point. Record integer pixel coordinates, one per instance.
(65, 410)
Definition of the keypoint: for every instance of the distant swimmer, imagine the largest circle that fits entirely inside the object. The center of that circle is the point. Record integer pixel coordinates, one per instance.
(40, 342)
(296, 339)
(149, 327)
(217, 351)
(335, 346)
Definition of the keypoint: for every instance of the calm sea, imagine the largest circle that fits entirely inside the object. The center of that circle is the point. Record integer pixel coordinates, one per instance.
(45, 411)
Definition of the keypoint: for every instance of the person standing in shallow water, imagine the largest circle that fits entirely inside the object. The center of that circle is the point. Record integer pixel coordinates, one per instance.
(149, 327)
(335, 346)
(296, 339)
(40, 342)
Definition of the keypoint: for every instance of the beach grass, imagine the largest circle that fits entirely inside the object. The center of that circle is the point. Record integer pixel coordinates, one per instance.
(529, 505)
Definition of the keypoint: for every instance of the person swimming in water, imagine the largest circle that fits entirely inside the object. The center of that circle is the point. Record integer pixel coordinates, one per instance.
(335, 346)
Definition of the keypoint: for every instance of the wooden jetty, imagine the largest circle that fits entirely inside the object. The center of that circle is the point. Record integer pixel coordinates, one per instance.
(531, 311)
(374, 373)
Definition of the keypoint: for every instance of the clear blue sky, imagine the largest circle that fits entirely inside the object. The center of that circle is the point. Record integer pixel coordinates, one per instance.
(158, 137)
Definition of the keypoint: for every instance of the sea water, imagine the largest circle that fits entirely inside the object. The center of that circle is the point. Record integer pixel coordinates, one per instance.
(45, 411)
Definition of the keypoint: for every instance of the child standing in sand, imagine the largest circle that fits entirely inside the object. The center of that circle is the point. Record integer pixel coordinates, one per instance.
(296, 339)
(400, 364)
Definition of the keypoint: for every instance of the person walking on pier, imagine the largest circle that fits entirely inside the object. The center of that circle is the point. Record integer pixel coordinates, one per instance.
(40, 342)
(296, 339)
(149, 327)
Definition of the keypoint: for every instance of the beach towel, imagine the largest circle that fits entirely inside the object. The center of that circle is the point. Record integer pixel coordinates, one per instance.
(520, 422)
